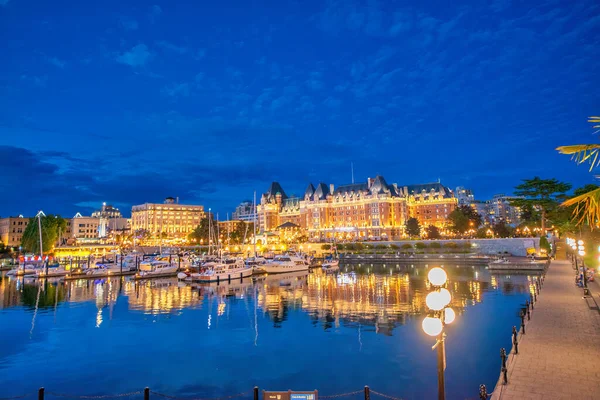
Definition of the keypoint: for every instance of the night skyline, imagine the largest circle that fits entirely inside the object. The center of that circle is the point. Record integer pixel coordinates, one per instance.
(131, 102)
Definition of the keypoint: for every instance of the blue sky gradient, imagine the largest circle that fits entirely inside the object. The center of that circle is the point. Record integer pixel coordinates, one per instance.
(129, 102)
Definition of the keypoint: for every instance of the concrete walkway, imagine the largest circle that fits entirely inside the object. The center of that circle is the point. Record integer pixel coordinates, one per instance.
(559, 356)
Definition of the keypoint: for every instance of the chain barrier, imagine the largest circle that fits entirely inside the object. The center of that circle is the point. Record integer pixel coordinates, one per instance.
(104, 396)
(385, 395)
(201, 398)
(19, 397)
(333, 396)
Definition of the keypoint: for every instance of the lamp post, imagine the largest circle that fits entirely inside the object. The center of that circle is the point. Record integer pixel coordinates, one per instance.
(438, 316)
(581, 252)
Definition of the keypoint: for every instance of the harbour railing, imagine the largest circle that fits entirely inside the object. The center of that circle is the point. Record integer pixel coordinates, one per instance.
(254, 394)
(517, 334)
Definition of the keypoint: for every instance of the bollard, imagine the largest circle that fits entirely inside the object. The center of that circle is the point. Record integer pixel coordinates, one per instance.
(41, 394)
(523, 321)
(528, 315)
(504, 370)
(515, 342)
(255, 392)
(532, 295)
(535, 297)
(482, 392)
(147, 394)
(367, 393)
(527, 304)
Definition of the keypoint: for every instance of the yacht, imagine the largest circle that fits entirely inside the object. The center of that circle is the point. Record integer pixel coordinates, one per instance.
(99, 269)
(156, 268)
(55, 270)
(331, 265)
(24, 270)
(233, 268)
(286, 263)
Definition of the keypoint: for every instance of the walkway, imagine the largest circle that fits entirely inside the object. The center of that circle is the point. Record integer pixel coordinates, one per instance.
(559, 356)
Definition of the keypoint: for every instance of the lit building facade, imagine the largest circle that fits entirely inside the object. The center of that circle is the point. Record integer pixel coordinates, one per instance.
(174, 219)
(83, 229)
(110, 220)
(500, 210)
(11, 230)
(370, 210)
(244, 212)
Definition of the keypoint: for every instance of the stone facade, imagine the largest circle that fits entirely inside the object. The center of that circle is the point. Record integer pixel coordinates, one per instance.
(11, 230)
(371, 210)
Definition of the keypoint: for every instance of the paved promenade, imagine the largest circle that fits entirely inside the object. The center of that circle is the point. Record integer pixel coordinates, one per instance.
(559, 356)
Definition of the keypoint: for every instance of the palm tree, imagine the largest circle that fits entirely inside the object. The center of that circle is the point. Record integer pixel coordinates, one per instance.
(587, 205)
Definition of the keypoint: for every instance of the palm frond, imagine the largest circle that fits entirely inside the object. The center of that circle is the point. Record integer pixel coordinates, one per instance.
(582, 153)
(595, 120)
(587, 208)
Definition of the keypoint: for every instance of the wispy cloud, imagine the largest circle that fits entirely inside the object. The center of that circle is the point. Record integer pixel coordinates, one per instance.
(171, 47)
(177, 89)
(155, 12)
(35, 80)
(56, 62)
(128, 23)
(138, 56)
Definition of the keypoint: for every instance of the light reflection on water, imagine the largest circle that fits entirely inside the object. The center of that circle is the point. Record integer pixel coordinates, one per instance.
(368, 320)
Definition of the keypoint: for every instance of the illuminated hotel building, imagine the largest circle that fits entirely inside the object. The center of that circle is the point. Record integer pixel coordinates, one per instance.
(11, 230)
(172, 218)
(374, 209)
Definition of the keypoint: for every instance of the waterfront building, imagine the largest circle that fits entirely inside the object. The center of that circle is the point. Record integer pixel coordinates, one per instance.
(11, 230)
(500, 210)
(110, 220)
(174, 219)
(370, 210)
(83, 229)
(244, 211)
(464, 196)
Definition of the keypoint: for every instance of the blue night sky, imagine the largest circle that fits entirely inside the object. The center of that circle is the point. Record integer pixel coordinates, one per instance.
(129, 102)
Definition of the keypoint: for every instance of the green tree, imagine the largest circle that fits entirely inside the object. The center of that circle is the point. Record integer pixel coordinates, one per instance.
(433, 232)
(543, 194)
(241, 231)
(413, 228)
(501, 230)
(52, 227)
(200, 234)
(463, 218)
(420, 245)
(325, 247)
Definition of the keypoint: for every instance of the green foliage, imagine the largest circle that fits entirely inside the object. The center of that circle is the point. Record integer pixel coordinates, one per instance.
(481, 233)
(463, 218)
(359, 246)
(342, 246)
(450, 245)
(243, 230)
(420, 245)
(544, 243)
(368, 246)
(407, 246)
(202, 230)
(381, 246)
(435, 245)
(544, 194)
(413, 228)
(325, 247)
(502, 230)
(433, 232)
(394, 246)
(52, 225)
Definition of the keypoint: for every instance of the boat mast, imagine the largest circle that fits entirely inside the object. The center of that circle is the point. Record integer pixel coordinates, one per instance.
(209, 229)
(39, 216)
(254, 210)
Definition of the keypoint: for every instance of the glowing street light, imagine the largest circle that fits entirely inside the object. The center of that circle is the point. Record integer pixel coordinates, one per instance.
(439, 315)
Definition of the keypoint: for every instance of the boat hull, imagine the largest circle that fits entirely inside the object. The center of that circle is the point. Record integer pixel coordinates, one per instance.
(226, 276)
(282, 269)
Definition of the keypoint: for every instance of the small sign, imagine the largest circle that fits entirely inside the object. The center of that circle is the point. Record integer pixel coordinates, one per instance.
(276, 395)
(291, 395)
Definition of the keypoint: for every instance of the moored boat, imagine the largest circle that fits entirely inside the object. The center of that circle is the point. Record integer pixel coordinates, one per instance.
(155, 269)
(286, 263)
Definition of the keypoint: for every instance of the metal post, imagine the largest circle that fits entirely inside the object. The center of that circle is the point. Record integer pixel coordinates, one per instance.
(523, 321)
(41, 394)
(483, 392)
(441, 360)
(147, 394)
(528, 314)
(255, 392)
(515, 342)
(504, 370)
(367, 393)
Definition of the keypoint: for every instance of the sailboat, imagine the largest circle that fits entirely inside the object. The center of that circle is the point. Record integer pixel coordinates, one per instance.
(332, 263)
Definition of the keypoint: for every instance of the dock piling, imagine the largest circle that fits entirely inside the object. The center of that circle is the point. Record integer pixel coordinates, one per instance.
(147, 393)
(367, 393)
(41, 394)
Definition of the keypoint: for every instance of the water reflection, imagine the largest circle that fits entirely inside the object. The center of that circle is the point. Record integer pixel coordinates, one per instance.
(379, 297)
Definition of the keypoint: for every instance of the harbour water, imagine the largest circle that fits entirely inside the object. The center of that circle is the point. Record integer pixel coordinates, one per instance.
(331, 332)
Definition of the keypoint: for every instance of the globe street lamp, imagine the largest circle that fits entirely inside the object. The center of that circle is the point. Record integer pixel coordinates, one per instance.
(438, 316)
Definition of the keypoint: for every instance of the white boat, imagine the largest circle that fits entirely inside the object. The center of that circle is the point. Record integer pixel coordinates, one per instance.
(23, 270)
(149, 269)
(331, 265)
(53, 271)
(105, 269)
(286, 263)
(224, 271)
